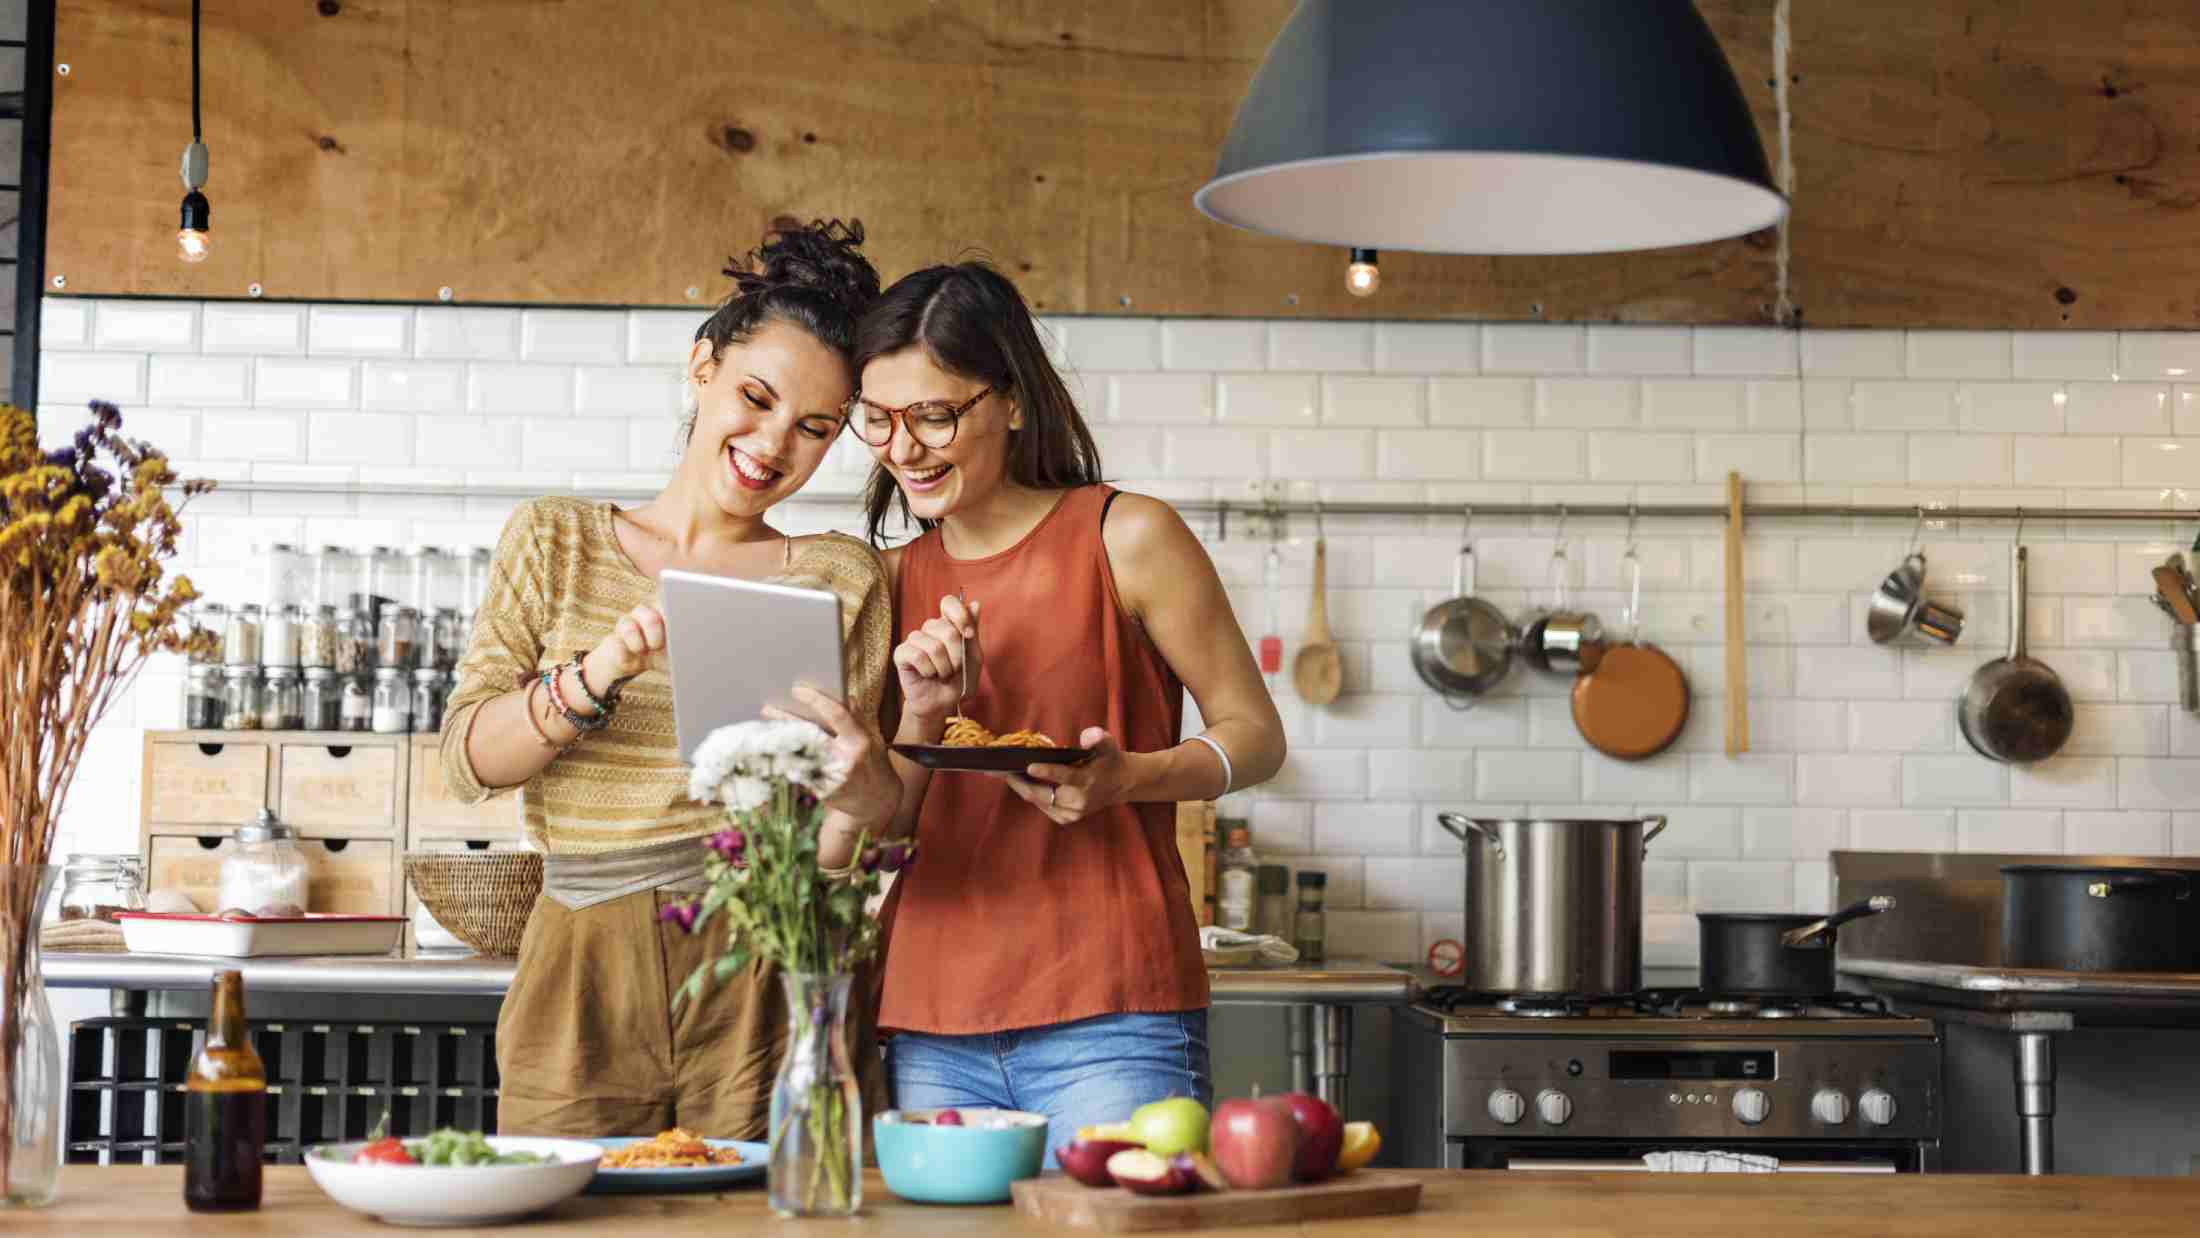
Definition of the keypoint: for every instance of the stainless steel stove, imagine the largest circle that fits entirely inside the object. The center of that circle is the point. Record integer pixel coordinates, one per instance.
(1833, 1084)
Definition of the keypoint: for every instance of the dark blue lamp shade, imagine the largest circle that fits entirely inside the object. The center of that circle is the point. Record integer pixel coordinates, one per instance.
(1494, 127)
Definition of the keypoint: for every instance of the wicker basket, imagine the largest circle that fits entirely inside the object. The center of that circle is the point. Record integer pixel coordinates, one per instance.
(482, 897)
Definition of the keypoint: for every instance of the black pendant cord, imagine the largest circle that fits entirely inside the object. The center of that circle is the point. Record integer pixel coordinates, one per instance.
(195, 135)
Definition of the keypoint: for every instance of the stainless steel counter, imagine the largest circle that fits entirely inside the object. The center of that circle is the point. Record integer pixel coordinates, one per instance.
(1323, 996)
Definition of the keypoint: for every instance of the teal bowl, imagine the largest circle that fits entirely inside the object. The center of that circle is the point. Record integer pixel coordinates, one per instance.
(968, 1164)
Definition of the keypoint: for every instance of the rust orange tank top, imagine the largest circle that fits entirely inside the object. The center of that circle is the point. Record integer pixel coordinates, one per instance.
(1008, 920)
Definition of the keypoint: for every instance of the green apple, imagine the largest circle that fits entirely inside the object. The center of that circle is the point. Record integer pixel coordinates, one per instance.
(1167, 1127)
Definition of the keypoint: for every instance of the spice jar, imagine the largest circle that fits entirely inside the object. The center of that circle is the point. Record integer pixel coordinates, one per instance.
(320, 701)
(424, 569)
(355, 704)
(241, 698)
(281, 639)
(1272, 910)
(317, 638)
(354, 652)
(385, 582)
(214, 618)
(286, 577)
(202, 698)
(430, 686)
(266, 870)
(95, 887)
(241, 637)
(392, 702)
(397, 641)
(1310, 931)
(449, 642)
(281, 703)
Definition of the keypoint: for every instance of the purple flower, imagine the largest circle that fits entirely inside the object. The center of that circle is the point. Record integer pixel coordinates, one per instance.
(868, 861)
(62, 458)
(731, 845)
(682, 914)
(804, 800)
(889, 858)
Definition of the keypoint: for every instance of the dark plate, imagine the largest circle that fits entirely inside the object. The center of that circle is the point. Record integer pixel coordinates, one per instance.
(991, 760)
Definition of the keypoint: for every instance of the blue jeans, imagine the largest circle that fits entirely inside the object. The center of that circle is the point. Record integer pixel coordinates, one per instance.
(1077, 1074)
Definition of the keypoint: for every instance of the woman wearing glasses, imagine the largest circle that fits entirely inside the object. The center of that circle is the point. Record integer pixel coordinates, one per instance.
(563, 691)
(1045, 956)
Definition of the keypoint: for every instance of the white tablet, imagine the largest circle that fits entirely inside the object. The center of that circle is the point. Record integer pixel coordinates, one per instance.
(735, 646)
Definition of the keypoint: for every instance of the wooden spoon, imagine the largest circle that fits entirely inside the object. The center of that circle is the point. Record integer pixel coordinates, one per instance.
(1318, 672)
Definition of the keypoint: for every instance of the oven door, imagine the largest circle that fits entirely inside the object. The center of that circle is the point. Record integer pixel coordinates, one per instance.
(1627, 1156)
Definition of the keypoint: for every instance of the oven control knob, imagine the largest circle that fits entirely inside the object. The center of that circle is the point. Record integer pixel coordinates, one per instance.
(1752, 1106)
(1506, 1106)
(1878, 1107)
(1830, 1107)
(1552, 1106)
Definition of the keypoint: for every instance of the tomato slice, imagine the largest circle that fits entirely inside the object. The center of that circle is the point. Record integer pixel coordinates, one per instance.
(390, 1151)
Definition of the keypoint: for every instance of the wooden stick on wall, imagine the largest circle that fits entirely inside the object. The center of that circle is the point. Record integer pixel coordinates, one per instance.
(1737, 671)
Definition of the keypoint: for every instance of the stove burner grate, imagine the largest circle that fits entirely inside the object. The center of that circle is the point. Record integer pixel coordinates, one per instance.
(1669, 1003)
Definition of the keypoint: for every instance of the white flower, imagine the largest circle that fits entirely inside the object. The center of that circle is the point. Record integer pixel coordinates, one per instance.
(737, 765)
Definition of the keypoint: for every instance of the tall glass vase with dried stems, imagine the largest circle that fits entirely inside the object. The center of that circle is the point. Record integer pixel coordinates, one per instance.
(84, 600)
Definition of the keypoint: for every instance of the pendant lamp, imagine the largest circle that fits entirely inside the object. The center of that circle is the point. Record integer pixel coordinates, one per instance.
(1494, 127)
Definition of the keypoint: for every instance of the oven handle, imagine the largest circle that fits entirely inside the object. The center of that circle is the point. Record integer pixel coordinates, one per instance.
(1622, 1165)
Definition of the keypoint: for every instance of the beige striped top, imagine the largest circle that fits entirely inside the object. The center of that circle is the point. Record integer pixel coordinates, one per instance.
(559, 583)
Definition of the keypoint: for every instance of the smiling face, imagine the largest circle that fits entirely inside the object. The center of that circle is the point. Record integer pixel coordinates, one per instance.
(972, 467)
(767, 411)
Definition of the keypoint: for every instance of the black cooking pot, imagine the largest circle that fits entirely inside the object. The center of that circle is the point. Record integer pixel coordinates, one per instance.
(2071, 918)
(1752, 954)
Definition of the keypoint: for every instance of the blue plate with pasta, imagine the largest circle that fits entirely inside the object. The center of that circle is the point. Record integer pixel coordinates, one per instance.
(673, 1161)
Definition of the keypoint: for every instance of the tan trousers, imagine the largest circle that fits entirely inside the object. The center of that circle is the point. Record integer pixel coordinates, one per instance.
(588, 1042)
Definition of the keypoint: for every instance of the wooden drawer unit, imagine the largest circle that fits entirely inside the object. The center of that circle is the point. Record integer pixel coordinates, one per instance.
(433, 813)
(343, 876)
(340, 789)
(205, 778)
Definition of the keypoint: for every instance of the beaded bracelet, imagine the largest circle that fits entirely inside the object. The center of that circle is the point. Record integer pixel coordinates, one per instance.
(578, 721)
(610, 698)
(527, 706)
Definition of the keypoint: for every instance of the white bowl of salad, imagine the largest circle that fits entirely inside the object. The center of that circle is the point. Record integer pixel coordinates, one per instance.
(453, 1177)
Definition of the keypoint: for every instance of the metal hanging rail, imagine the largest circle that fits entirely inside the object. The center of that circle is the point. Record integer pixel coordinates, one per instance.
(1226, 508)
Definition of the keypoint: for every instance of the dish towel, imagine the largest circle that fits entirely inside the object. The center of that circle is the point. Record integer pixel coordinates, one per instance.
(81, 935)
(1215, 939)
(1710, 1163)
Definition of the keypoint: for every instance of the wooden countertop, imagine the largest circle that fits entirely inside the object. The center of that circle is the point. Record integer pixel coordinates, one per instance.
(136, 1200)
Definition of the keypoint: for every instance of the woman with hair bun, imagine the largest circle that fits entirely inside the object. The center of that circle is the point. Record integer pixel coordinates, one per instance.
(563, 691)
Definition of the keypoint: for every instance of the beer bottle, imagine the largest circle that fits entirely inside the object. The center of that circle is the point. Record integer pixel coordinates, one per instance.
(225, 1103)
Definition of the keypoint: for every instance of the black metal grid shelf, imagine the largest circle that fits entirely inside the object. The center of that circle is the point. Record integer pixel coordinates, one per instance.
(326, 1083)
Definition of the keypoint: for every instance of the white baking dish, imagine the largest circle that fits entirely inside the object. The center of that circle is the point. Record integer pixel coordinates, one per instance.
(250, 936)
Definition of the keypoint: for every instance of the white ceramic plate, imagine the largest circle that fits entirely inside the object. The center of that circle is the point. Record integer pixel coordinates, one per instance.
(755, 1159)
(456, 1195)
(252, 936)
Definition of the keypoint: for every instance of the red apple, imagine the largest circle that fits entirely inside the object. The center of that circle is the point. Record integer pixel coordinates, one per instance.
(1255, 1142)
(1143, 1173)
(1087, 1159)
(1321, 1135)
(1204, 1173)
(947, 1117)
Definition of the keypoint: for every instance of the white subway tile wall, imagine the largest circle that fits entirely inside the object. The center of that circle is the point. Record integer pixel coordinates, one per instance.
(1854, 744)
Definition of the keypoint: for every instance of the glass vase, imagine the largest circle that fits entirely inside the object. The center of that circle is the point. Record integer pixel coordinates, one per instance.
(817, 1110)
(30, 1047)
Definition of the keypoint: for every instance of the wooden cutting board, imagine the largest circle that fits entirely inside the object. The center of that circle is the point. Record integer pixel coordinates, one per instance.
(1367, 1192)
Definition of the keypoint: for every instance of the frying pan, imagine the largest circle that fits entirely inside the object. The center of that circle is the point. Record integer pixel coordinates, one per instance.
(1464, 645)
(1635, 703)
(2016, 709)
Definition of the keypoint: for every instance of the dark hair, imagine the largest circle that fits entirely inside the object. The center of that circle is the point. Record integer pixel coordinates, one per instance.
(972, 322)
(812, 276)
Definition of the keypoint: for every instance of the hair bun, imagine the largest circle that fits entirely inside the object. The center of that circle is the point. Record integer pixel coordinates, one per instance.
(822, 255)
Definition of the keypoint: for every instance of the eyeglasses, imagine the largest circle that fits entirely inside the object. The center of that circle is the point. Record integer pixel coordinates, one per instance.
(930, 422)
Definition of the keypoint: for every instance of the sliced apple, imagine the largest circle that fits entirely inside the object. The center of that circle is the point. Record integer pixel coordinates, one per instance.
(1144, 1173)
(1204, 1170)
(1361, 1142)
(1086, 1160)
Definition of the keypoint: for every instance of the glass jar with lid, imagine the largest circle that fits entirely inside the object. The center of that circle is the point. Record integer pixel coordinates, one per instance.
(241, 636)
(320, 700)
(392, 701)
(287, 579)
(448, 640)
(355, 703)
(95, 887)
(353, 653)
(397, 641)
(429, 688)
(267, 872)
(317, 638)
(282, 705)
(202, 697)
(241, 697)
(1310, 929)
(385, 581)
(335, 577)
(476, 580)
(424, 571)
(213, 618)
(282, 637)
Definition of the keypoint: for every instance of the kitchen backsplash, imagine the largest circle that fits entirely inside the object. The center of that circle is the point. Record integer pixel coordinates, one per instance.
(1854, 744)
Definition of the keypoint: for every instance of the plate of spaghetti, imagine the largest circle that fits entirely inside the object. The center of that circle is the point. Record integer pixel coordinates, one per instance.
(676, 1160)
(968, 745)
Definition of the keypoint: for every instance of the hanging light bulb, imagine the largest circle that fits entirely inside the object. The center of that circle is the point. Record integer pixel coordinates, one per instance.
(192, 243)
(1362, 278)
